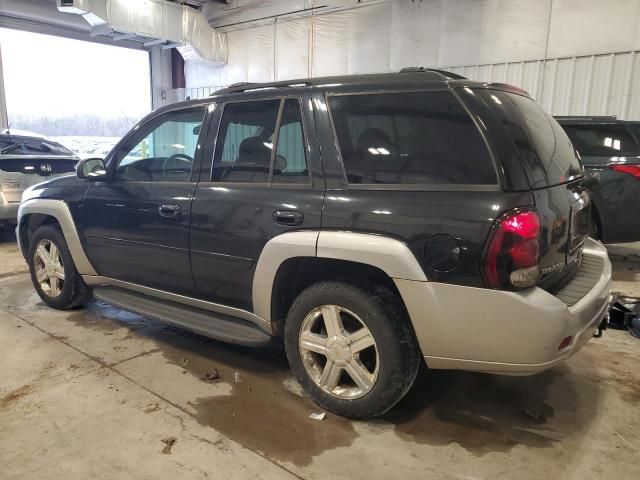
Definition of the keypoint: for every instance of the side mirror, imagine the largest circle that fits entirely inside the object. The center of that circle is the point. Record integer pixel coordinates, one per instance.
(92, 169)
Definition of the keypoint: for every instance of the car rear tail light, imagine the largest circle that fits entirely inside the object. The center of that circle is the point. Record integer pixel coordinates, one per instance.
(513, 250)
(633, 170)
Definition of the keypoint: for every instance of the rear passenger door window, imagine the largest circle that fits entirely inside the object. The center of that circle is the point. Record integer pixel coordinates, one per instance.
(261, 142)
(290, 165)
(246, 130)
(410, 138)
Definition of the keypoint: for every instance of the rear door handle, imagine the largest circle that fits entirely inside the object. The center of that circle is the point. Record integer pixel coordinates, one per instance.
(169, 210)
(288, 217)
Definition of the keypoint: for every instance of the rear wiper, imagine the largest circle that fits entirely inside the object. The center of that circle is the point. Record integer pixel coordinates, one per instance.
(11, 147)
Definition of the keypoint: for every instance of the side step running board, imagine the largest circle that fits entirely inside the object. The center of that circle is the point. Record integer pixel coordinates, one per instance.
(209, 324)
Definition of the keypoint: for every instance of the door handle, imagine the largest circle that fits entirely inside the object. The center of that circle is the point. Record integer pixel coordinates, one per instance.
(288, 217)
(169, 210)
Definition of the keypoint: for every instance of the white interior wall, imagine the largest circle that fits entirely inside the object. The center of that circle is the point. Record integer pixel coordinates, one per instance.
(575, 56)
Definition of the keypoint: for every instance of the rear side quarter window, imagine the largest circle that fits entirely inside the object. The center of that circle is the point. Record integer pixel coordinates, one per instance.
(545, 151)
(410, 138)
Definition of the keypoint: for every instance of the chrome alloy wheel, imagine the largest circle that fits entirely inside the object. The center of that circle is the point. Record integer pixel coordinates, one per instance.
(48, 267)
(339, 352)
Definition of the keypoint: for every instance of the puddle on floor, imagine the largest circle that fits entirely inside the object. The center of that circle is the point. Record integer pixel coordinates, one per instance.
(107, 319)
(260, 413)
(482, 413)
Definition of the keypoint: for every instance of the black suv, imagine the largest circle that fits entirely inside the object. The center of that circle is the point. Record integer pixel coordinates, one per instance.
(610, 148)
(372, 221)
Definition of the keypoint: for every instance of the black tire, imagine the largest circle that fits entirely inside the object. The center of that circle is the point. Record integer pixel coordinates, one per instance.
(73, 291)
(385, 317)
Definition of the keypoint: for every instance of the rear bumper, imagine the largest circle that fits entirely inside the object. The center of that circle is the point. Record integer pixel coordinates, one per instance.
(513, 333)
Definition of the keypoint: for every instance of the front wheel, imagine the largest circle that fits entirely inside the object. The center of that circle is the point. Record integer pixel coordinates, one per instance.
(53, 272)
(351, 347)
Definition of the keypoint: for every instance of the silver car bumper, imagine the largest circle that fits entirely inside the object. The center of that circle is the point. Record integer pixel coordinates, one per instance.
(514, 333)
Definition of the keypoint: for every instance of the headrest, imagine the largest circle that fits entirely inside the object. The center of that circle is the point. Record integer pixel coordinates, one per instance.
(253, 149)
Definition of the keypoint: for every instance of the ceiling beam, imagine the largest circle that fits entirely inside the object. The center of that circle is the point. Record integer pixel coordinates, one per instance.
(155, 41)
(124, 36)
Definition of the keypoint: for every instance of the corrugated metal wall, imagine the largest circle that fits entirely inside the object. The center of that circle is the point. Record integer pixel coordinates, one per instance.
(588, 85)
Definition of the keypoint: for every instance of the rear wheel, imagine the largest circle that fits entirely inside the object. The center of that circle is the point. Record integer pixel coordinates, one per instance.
(53, 272)
(351, 348)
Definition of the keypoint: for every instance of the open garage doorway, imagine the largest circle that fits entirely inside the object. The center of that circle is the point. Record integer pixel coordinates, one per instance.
(84, 95)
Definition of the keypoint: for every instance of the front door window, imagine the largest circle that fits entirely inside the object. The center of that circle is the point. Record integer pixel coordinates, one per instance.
(163, 150)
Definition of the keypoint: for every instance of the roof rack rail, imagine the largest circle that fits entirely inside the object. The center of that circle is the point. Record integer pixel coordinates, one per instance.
(451, 75)
(245, 86)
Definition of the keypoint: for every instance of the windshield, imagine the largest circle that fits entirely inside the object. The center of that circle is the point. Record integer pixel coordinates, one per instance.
(34, 147)
(546, 152)
(605, 140)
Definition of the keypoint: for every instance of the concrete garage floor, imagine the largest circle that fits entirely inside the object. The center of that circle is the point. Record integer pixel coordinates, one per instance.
(91, 393)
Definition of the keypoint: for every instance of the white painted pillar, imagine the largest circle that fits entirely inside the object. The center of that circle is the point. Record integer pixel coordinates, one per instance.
(4, 122)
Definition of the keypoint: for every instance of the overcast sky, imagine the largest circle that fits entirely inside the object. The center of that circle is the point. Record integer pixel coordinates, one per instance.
(58, 76)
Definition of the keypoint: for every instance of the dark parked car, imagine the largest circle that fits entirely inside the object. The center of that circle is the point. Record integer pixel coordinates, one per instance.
(610, 148)
(372, 221)
(25, 161)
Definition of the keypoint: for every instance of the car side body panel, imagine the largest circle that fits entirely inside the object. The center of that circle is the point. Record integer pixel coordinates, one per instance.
(231, 226)
(615, 198)
(417, 218)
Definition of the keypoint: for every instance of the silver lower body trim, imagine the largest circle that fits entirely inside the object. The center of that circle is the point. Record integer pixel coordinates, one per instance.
(60, 211)
(264, 325)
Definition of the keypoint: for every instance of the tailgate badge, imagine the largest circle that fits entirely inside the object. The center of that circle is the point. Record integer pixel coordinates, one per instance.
(552, 268)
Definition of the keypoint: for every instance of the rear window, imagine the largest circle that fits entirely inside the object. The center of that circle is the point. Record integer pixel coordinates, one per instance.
(545, 150)
(605, 140)
(422, 138)
(35, 147)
